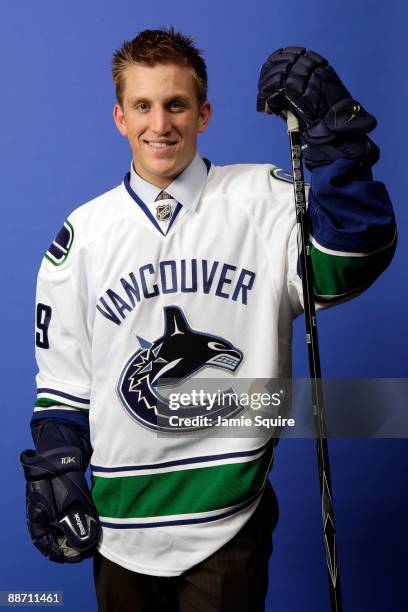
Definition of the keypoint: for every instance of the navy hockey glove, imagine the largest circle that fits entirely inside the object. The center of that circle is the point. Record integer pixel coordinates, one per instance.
(61, 517)
(333, 124)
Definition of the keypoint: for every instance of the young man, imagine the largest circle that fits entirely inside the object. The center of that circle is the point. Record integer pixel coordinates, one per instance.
(187, 269)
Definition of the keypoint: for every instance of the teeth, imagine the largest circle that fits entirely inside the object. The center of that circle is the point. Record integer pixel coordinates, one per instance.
(160, 145)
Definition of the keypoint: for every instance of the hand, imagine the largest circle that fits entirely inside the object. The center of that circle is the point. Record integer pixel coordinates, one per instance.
(61, 517)
(333, 124)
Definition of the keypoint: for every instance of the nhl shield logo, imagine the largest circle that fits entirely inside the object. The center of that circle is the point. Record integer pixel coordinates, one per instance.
(178, 354)
(164, 212)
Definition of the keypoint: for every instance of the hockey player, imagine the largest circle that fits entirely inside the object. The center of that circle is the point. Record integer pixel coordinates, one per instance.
(187, 269)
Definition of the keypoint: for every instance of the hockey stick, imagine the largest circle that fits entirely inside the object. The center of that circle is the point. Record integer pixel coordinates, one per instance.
(314, 366)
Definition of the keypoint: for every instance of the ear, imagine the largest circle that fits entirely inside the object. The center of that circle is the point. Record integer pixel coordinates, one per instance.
(119, 118)
(204, 116)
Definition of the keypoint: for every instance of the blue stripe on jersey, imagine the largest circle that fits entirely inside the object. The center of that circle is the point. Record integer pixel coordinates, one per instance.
(207, 163)
(146, 210)
(74, 398)
(348, 210)
(205, 519)
(189, 460)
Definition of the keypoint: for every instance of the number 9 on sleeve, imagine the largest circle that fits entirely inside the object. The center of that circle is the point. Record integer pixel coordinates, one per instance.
(43, 318)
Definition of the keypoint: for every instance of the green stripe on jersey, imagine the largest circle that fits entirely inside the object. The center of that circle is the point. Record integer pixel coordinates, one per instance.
(338, 275)
(184, 491)
(45, 402)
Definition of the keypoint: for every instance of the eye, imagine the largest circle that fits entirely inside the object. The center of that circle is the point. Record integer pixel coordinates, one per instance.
(177, 105)
(141, 106)
(216, 346)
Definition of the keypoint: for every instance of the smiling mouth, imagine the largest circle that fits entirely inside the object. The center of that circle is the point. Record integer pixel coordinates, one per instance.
(160, 145)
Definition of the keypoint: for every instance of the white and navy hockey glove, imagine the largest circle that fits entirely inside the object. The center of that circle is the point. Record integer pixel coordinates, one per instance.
(334, 125)
(61, 516)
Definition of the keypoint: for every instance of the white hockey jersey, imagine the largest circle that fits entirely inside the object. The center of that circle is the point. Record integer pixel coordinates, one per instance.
(121, 306)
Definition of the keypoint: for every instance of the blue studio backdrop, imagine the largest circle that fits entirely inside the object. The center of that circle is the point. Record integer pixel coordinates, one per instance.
(60, 148)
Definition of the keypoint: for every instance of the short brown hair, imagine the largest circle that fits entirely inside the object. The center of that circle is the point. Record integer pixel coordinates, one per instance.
(164, 46)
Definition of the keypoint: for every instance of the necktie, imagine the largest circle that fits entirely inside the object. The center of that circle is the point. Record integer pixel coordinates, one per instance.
(163, 195)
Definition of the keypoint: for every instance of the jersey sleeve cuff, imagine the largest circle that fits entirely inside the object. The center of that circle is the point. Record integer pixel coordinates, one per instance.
(48, 396)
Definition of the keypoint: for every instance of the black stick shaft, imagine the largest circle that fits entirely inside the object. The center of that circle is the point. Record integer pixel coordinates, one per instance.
(315, 371)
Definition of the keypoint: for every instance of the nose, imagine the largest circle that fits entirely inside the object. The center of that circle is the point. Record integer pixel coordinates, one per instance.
(160, 121)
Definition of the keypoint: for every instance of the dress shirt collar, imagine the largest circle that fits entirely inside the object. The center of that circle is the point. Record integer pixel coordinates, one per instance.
(186, 188)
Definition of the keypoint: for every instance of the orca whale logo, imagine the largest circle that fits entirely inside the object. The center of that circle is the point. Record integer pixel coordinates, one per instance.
(178, 354)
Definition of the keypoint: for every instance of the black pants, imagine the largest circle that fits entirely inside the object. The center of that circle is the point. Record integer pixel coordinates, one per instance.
(233, 579)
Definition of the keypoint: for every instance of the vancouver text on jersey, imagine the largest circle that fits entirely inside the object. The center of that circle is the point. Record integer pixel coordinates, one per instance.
(170, 276)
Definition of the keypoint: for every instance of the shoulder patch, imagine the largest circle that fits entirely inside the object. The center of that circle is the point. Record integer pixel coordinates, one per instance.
(60, 247)
(281, 175)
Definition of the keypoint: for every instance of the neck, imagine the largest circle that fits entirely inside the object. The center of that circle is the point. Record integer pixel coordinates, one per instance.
(157, 181)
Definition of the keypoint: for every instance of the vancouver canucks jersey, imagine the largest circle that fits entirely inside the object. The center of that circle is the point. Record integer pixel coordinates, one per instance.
(122, 307)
